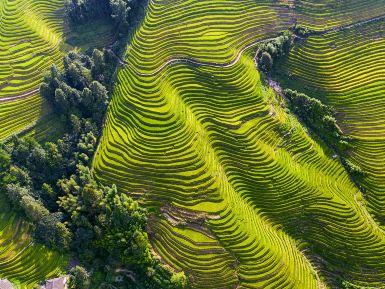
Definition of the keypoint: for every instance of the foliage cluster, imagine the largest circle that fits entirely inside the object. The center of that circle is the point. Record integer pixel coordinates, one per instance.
(30, 172)
(109, 230)
(83, 11)
(80, 89)
(301, 31)
(120, 12)
(270, 51)
(320, 118)
(53, 187)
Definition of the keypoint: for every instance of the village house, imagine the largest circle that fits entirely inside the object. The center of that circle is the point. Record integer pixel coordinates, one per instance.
(5, 284)
(56, 283)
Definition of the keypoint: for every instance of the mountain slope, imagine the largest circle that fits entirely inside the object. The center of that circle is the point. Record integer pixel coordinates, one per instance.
(346, 69)
(243, 196)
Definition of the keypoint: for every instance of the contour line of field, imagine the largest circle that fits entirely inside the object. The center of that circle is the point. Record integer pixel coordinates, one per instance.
(239, 55)
(20, 96)
(203, 63)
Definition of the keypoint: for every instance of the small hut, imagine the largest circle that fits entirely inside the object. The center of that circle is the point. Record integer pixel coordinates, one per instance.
(5, 284)
(56, 283)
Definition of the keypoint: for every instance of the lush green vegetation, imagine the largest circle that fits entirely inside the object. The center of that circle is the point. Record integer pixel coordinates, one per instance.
(238, 187)
(200, 166)
(342, 68)
(319, 117)
(271, 51)
(80, 89)
(53, 187)
(123, 13)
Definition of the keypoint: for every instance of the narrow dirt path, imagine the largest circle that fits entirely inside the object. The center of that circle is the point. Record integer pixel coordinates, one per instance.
(173, 61)
(199, 63)
(20, 96)
(350, 26)
(239, 55)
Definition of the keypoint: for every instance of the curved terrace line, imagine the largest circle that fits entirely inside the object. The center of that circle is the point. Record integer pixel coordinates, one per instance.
(210, 64)
(199, 63)
(239, 55)
(350, 26)
(20, 96)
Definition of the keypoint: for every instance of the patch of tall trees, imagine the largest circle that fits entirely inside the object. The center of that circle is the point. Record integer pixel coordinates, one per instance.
(30, 173)
(271, 51)
(121, 12)
(52, 186)
(80, 88)
(320, 118)
(83, 11)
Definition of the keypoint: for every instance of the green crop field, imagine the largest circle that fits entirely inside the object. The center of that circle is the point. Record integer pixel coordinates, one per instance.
(346, 69)
(242, 194)
(30, 36)
(30, 39)
(22, 261)
(244, 197)
(325, 14)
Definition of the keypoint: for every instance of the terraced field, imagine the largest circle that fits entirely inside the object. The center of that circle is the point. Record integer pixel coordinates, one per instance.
(346, 69)
(244, 198)
(30, 38)
(325, 14)
(21, 261)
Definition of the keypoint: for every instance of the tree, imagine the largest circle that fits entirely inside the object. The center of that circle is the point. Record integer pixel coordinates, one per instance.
(79, 278)
(50, 84)
(266, 63)
(51, 232)
(119, 13)
(5, 163)
(271, 48)
(179, 280)
(15, 193)
(98, 65)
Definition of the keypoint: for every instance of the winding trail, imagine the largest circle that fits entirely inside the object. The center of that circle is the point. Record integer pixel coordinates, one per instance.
(20, 96)
(195, 62)
(239, 55)
(203, 63)
(350, 26)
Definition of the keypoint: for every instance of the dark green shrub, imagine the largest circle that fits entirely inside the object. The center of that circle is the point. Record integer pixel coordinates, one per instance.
(270, 51)
(266, 62)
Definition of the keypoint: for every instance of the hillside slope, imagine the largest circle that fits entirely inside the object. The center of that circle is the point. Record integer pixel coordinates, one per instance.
(346, 69)
(31, 33)
(244, 198)
(22, 261)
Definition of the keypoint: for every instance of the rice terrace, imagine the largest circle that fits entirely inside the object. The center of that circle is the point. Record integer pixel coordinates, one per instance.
(203, 144)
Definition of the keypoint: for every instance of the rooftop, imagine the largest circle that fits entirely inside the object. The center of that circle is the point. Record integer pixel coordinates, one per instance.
(5, 284)
(56, 283)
